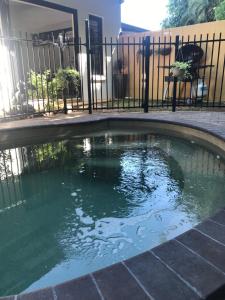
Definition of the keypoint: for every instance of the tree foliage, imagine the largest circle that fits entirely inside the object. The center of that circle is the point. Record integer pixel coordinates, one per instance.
(188, 12)
(220, 11)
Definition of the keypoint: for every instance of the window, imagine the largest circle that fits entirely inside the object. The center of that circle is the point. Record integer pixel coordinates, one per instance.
(96, 40)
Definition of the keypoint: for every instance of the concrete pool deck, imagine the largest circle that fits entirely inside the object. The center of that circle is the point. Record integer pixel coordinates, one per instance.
(190, 266)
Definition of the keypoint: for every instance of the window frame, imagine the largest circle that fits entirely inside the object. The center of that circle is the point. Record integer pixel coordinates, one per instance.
(99, 74)
(72, 11)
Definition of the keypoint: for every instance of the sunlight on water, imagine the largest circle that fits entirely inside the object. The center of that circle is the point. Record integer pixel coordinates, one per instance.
(72, 207)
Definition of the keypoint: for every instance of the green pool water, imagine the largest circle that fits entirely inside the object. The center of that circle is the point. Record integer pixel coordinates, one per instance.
(71, 207)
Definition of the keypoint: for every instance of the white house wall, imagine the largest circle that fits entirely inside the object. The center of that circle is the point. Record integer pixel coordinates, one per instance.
(108, 9)
(33, 19)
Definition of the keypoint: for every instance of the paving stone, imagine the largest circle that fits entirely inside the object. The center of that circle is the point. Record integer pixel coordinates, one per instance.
(216, 231)
(116, 283)
(44, 294)
(158, 280)
(78, 289)
(219, 217)
(204, 246)
(193, 269)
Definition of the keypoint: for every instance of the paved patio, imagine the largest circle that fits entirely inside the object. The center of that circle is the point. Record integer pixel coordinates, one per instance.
(207, 120)
(190, 266)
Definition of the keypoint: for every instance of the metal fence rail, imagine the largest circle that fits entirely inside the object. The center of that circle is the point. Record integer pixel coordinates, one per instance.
(128, 73)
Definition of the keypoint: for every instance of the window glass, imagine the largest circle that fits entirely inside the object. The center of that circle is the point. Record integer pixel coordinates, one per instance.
(96, 40)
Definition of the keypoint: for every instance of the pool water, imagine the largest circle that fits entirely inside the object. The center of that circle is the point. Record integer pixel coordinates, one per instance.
(71, 207)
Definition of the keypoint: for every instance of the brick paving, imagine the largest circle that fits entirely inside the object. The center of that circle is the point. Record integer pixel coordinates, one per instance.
(190, 266)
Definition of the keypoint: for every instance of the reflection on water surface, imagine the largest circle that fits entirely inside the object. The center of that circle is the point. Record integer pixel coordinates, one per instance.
(71, 207)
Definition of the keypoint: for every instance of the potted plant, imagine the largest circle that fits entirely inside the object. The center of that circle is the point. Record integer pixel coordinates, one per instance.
(120, 79)
(181, 70)
(142, 52)
(164, 51)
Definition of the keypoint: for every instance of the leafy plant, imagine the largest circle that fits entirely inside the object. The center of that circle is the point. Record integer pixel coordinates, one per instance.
(181, 70)
(159, 51)
(142, 52)
(41, 85)
(48, 85)
(164, 51)
(68, 81)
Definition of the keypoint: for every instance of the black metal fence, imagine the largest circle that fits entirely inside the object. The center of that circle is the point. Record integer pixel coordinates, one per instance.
(128, 73)
(39, 77)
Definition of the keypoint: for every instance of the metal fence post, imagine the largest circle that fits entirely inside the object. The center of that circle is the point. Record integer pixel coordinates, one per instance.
(147, 70)
(174, 101)
(88, 51)
(65, 108)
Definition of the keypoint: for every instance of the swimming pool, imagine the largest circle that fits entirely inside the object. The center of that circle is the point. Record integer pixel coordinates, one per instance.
(76, 205)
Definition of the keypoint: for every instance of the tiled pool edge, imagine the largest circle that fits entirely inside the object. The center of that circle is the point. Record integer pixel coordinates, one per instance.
(191, 266)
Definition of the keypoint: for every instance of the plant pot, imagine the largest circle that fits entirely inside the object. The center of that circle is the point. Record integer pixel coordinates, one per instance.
(164, 51)
(178, 72)
(120, 86)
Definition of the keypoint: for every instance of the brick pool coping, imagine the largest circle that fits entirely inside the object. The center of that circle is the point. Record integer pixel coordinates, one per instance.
(190, 266)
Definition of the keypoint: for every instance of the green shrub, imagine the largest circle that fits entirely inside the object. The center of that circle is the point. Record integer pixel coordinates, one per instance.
(42, 86)
(48, 85)
(68, 81)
